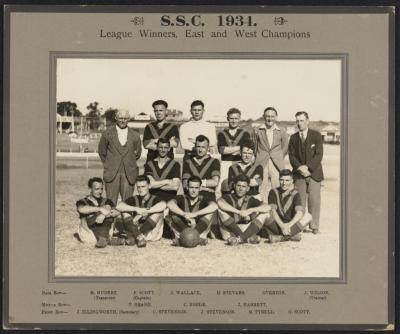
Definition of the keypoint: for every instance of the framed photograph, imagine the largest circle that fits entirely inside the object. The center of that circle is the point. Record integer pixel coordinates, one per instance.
(199, 167)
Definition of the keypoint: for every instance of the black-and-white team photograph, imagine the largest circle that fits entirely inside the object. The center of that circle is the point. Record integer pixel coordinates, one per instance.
(198, 167)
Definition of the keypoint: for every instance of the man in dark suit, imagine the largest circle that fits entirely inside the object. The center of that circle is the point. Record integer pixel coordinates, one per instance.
(305, 155)
(119, 148)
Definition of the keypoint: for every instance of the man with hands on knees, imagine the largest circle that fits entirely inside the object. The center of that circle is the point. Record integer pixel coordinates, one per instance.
(241, 215)
(287, 220)
(191, 210)
(96, 215)
(142, 215)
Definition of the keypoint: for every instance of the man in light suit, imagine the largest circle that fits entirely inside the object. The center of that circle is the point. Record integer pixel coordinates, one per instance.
(305, 155)
(271, 143)
(119, 148)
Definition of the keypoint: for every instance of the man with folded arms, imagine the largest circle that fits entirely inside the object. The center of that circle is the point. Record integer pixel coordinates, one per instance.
(241, 215)
(160, 129)
(197, 126)
(191, 210)
(203, 166)
(247, 166)
(142, 215)
(229, 142)
(287, 219)
(164, 173)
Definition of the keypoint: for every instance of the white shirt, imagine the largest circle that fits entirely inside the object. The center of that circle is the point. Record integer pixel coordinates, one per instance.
(122, 135)
(305, 132)
(270, 132)
(192, 128)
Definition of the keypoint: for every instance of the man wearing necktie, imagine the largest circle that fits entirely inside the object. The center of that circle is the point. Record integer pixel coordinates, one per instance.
(119, 148)
(271, 146)
(305, 155)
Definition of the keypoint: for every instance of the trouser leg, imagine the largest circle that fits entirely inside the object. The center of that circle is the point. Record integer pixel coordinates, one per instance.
(301, 187)
(273, 172)
(270, 179)
(126, 187)
(264, 187)
(314, 202)
(112, 189)
(223, 185)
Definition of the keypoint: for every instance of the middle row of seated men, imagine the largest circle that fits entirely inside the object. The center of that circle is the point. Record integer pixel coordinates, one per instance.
(165, 173)
(242, 218)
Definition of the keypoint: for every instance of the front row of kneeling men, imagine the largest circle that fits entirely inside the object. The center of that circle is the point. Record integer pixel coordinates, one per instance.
(241, 218)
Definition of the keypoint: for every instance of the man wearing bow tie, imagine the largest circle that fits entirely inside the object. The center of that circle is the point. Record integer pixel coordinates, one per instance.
(305, 155)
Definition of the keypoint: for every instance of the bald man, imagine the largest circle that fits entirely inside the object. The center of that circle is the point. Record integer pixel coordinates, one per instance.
(119, 148)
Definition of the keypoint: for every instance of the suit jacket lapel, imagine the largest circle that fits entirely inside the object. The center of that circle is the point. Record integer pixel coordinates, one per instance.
(274, 138)
(264, 136)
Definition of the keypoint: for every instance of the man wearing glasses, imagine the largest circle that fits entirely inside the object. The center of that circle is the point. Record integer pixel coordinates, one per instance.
(119, 148)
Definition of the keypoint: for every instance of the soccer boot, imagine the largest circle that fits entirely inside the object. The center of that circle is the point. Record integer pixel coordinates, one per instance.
(101, 243)
(203, 241)
(296, 237)
(234, 241)
(141, 241)
(275, 238)
(116, 241)
(130, 241)
(254, 239)
(176, 242)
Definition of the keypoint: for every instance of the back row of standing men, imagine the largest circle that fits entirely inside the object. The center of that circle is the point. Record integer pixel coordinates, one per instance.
(259, 155)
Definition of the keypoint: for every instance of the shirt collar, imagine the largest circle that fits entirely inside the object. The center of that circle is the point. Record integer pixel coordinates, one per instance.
(121, 130)
(199, 121)
(243, 166)
(274, 127)
(305, 132)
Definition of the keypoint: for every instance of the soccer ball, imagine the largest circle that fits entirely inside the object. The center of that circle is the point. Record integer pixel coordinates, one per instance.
(189, 238)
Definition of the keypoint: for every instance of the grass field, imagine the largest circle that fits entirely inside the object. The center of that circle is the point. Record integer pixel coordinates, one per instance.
(314, 256)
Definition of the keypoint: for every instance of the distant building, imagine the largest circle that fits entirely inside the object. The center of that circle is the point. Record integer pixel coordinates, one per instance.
(331, 134)
(256, 124)
(142, 117)
(174, 115)
(137, 124)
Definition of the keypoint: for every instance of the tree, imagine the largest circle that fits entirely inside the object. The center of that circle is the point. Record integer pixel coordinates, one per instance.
(93, 116)
(68, 108)
(109, 115)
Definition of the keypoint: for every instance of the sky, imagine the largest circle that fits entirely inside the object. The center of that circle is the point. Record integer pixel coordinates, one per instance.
(250, 85)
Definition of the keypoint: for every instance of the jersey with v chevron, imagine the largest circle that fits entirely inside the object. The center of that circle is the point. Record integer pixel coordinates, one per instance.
(204, 169)
(152, 131)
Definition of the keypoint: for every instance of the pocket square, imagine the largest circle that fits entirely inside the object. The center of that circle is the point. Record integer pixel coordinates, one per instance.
(312, 145)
